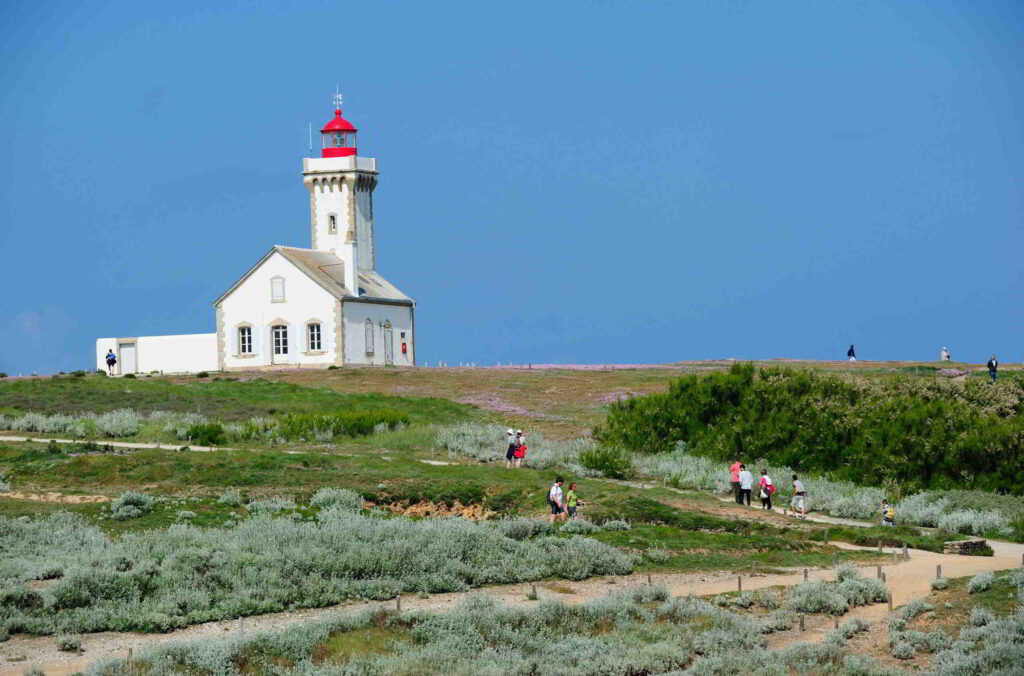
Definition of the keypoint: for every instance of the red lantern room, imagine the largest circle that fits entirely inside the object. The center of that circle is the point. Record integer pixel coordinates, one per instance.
(339, 136)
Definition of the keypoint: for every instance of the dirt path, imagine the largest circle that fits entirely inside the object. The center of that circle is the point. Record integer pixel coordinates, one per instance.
(116, 444)
(907, 579)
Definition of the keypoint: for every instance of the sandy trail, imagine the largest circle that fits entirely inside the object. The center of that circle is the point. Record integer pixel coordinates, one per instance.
(908, 579)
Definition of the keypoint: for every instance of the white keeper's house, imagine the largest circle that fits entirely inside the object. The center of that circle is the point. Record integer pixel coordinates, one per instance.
(315, 307)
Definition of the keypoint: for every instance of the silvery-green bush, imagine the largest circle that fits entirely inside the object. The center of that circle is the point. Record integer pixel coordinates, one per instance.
(980, 582)
(940, 583)
(123, 422)
(489, 443)
(231, 497)
(835, 598)
(337, 498)
(980, 616)
(131, 505)
(270, 505)
(579, 527)
(522, 528)
(163, 579)
(615, 524)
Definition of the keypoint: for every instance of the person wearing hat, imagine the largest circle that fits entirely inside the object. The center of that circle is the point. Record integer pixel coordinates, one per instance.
(510, 454)
(520, 451)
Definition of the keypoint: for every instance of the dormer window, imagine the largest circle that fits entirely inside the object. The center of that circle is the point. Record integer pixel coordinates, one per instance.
(332, 224)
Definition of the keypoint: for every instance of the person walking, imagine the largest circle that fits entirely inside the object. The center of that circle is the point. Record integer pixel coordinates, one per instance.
(851, 354)
(734, 473)
(555, 499)
(572, 500)
(767, 488)
(888, 516)
(799, 497)
(510, 454)
(520, 451)
(111, 362)
(746, 485)
(993, 364)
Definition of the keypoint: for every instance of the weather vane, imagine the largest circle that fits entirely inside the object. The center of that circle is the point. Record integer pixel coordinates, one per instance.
(337, 98)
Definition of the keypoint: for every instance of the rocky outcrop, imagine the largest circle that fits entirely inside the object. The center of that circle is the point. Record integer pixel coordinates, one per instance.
(968, 547)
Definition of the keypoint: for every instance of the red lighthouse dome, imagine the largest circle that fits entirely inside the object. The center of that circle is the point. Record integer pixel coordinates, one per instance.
(339, 136)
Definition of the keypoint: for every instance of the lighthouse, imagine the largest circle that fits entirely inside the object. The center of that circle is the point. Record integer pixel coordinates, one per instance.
(341, 185)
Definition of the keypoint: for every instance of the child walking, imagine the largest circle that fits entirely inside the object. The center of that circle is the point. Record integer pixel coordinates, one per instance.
(767, 488)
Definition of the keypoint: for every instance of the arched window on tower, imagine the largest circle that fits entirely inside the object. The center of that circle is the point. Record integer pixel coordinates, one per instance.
(332, 224)
(368, 337)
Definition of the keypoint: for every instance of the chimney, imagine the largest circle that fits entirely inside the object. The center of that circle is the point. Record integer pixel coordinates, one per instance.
(351, 257)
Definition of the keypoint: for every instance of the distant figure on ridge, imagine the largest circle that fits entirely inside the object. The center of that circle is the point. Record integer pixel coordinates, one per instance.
(734, 472)
(111, 361)
(993, 364)
(851, 354)
(746, 485)
(944, 354)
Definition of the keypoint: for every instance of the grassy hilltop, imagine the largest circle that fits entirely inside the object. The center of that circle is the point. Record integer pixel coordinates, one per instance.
(324, 487)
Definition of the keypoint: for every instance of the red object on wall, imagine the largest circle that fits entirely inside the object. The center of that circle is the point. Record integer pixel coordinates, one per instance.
(339, 137)
(405, 349)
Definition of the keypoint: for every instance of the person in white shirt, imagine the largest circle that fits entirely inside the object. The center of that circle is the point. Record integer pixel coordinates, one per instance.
(767, 488)
(556, 500)
(799, 497)
(746, 485)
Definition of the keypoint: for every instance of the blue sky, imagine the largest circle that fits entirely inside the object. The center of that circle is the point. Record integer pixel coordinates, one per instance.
(561, 182)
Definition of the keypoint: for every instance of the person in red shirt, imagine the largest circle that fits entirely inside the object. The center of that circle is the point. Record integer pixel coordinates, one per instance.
(735, 471)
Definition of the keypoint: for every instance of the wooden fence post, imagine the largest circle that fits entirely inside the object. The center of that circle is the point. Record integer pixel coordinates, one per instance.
(938, 571)
(805, 575)
(398, 604)
(878, 572)
(739, 583)
(802, 623)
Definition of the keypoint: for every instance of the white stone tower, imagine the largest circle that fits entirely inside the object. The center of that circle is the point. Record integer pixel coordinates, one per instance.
(341, 185)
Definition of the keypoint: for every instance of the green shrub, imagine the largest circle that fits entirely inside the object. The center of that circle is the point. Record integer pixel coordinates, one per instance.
(337, 498)
(129, 375)
(207, 434)
(2, 374)
(324, 427)
(940, 583)
(980, 582)
(231, 498)
(921, 434)
(611, 461)
(202, 374)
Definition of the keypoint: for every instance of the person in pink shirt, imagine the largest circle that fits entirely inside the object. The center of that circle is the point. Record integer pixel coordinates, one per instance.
(735, 470)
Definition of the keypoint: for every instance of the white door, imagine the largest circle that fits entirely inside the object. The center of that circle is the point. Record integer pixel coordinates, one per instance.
(389, 346)
(279, 336)
(127, 359)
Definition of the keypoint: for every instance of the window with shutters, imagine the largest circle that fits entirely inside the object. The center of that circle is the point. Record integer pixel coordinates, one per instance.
(277, 289)
(245, 340)
(313, 341)
(368, 330)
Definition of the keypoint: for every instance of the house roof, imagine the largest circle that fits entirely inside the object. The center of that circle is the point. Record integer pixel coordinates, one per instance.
(327, 270)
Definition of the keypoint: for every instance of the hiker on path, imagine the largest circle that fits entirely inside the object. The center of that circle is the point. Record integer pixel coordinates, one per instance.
(511, 452)
(111, 361)
(767, 488)
(572, 500)
(944, 354)
(746, 485)
(556, 500)
(851, 354)
(734, 472)
(992, 364)
(799, 497)
(520, 451)
(888, 516)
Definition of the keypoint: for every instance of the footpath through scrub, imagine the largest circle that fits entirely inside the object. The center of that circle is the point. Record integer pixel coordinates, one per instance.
(907, 580)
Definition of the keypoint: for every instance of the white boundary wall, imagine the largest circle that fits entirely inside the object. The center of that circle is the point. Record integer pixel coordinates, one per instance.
(188, 353)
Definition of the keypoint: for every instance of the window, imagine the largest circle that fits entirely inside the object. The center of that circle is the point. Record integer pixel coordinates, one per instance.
(245, 340)
(368, 329)
(277, 290)
(313, 337)
(332, 223)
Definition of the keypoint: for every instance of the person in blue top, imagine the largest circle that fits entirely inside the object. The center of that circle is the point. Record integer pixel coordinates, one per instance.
(111, 361)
